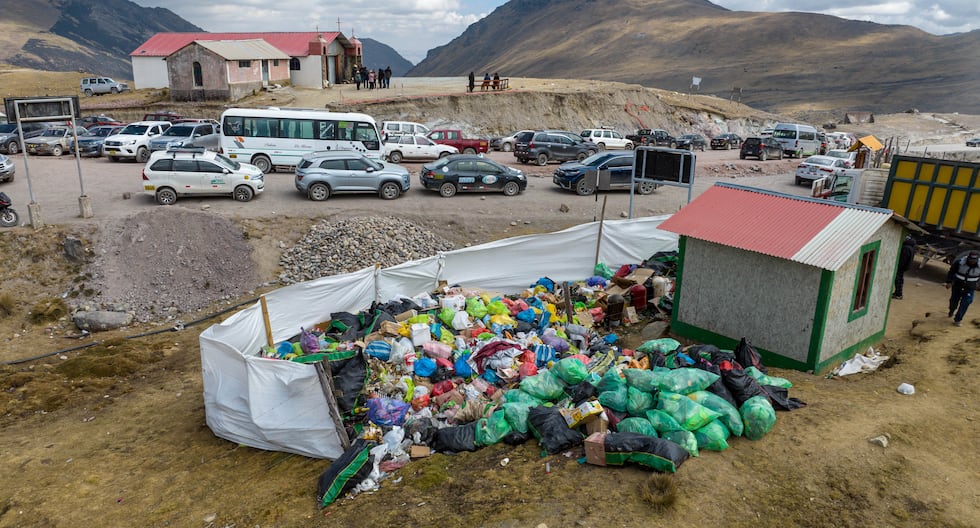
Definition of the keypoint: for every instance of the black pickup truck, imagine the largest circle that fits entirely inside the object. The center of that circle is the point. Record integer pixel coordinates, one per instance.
(649, 137)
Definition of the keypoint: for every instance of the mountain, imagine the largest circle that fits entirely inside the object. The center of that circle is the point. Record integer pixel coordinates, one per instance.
(69, 35)
(780, 61)
(379, 55)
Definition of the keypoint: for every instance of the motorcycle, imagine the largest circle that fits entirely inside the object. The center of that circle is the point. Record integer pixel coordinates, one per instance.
(8, 217)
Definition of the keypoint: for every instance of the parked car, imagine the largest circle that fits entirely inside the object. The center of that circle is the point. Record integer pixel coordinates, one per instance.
(456, 139)
(320, 175)
(653, 137)
(133, 141)
(10, 141)
(165, 115)
(402, 128)
(816, 167)
(99, 120)
(691, 142)
(506, 143)
(603, 170)
(471, 173)
(726, 141)
(91, 143)
(101, 85)
(183, 171)
(187, 134)
(53, 141)
(760, 147)
(850, 157)
(547, 145)
(973, 142)
(398, 148)
(7, 169)
(605, 138)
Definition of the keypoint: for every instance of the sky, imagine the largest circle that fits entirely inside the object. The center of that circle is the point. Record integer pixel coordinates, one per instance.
(412, 27)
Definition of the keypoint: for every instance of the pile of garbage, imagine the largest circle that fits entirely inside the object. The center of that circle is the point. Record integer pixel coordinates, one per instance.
(459, 369)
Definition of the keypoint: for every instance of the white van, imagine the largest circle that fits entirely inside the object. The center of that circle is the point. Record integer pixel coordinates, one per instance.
(402, 128)
(796, 139)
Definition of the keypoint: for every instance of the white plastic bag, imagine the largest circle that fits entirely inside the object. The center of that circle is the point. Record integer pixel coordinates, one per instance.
(461, 321)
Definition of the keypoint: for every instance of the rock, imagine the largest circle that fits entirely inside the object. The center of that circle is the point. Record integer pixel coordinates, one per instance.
(73, 250)
(623, 214)
(101, 320)
(655, 330)
(513, 223)
(564, 208)
(881, 440)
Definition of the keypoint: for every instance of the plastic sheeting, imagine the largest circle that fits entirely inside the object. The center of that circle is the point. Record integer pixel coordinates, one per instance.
(279, 405)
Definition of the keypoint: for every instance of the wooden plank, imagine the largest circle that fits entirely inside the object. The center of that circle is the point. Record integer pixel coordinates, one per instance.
(325, 375)
(265, 319)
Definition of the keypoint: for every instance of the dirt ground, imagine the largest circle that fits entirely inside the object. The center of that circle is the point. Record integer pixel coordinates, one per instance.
(115, 432)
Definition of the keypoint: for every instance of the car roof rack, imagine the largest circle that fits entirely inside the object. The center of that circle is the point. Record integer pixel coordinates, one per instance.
(176, 149)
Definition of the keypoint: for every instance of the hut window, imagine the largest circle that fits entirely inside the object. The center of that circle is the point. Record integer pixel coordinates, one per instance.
(198, 75)
(244, 64)
(864, 282)
(294, 64)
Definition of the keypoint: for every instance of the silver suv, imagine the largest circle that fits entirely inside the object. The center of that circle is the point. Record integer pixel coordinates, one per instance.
(322, 174)
(101, 85)
(188, 135)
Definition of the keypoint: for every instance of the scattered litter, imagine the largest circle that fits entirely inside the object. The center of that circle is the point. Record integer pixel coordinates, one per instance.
(504, 462)
(867, 362)
(906, 389)
(881, 440)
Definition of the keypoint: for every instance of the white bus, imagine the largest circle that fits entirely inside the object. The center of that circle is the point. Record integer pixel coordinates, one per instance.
(267, 137)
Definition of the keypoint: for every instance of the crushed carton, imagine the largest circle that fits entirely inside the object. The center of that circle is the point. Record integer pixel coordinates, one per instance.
(586, 411)
(419, 451)
(595, 449)
(598, 425)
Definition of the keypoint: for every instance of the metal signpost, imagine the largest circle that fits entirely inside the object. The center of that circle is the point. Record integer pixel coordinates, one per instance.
(665, 166)
(43, 109)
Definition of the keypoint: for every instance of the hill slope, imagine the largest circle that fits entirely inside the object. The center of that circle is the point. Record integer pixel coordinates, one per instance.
(72, 35)
(781, 61)
(380, 55)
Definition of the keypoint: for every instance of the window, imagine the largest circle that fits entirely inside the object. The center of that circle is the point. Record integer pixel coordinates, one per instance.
(436, 136)
(485, 168)
(244, 64)
(864, 280)
(183, 165)
(356, 165)
(333, 164)
(365, 132)
(294, 64)
(162, 165)
(328, 129)
(198, 75)
(465, 166)
(275, 62)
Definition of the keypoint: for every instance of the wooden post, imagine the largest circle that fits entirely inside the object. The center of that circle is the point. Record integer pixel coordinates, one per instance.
(567, 294)
(265, 318)
(325, 374)
(602, 218)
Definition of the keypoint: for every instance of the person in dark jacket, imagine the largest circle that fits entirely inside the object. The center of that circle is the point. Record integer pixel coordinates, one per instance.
(472, 81)
(962, 279)
(905, 257)
(387, 76)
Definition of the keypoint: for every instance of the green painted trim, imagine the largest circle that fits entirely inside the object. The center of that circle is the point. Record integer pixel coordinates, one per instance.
(856, 348)
(867, 248)
(821, 311)
(700, 335)
(678, 279)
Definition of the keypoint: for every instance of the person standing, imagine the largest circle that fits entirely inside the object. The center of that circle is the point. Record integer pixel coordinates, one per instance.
(905, 257)
(357, 77)
(380, 76)
(370, 79)
(962, 279)
(472, 82)
(387, 76)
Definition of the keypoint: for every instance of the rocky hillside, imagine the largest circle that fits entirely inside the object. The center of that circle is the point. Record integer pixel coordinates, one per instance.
(380, 55)
(780, 61)
(81, 35)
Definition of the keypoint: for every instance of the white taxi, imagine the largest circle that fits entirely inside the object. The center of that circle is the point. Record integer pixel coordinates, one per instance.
(197, 171)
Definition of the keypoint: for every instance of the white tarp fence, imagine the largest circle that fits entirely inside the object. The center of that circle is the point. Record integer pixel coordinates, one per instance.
(279, 405)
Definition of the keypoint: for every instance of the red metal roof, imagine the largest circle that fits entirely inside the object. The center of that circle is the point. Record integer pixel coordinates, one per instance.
(294, 44)
(816, 232)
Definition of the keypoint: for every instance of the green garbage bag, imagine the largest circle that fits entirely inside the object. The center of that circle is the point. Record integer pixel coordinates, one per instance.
(603, 271)
(729, 414)
(645, 380)
(519, 396)
(611, 380)
(758, 416)
(684, 439)
(498, 308)
(662, 421)
(687, 380)
(713, 436)
(475, 307)
(765, 379)
(615, 399)
(516, 414)
(690, 414)
(664, 345)
(544, 386)
(636, 425)
(446, 316)
(571, 370)
(638, 402)
(493, 429)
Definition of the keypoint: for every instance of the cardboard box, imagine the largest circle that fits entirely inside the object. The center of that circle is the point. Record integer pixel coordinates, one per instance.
(418, 451)
(404, 316)
(586, 411)
(639, 276)
(595, 449)
(600, 424)
(390, 328)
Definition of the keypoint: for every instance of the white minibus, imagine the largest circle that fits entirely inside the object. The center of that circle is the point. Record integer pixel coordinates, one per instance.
(796, 139)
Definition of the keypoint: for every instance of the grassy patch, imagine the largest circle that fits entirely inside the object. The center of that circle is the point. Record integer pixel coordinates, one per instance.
(7, 305)
(48, 310)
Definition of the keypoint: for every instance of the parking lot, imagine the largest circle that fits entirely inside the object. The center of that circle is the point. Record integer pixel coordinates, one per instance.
(116, 190)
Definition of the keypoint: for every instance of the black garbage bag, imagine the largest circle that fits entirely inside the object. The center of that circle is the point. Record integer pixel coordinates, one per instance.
(441, 373)
(455, 439)
(348, 380)
(551, 430)
(346, 472)
(779, 396)
(581, 391)
(655, 453)
(748, 356)
(421, 431)
(524, 327)
(516, 438)
(741, 385)
(373, 321)
(396, 307)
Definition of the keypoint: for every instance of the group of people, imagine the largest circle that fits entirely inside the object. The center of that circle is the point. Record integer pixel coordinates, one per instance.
(371, 79)
(962, 279)
(489, 83)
